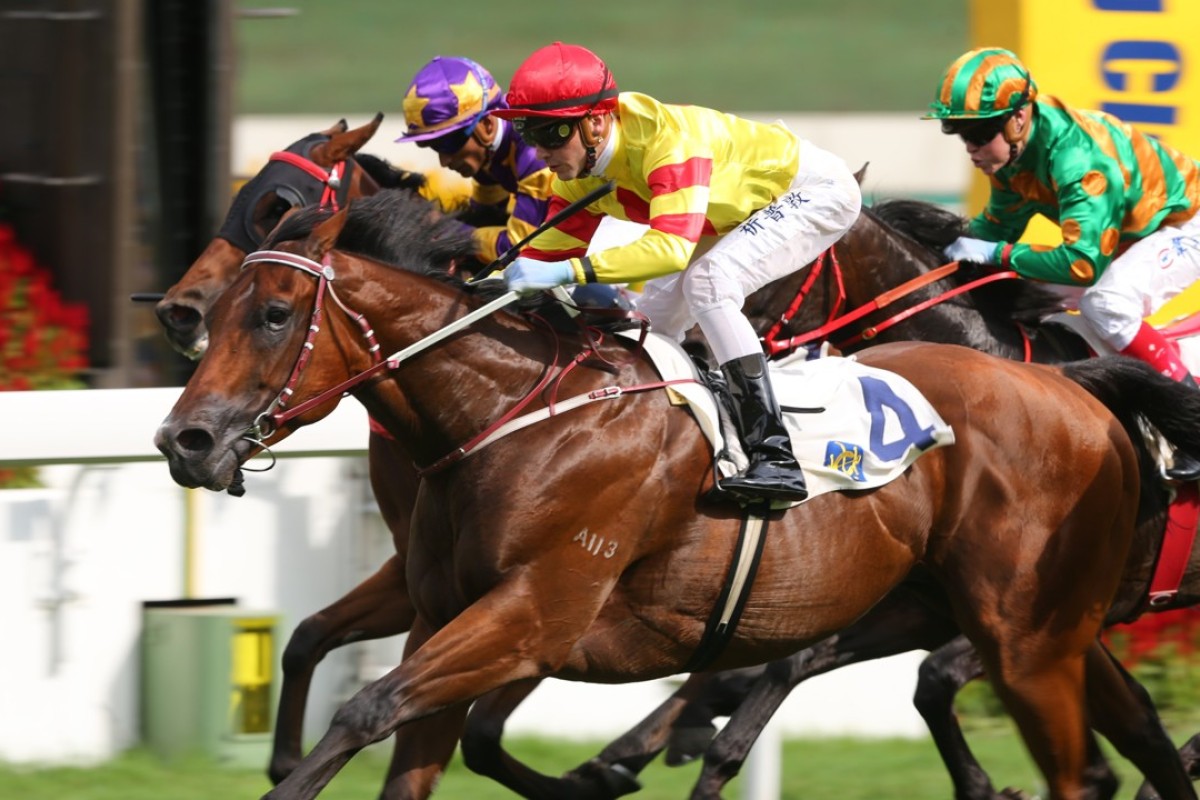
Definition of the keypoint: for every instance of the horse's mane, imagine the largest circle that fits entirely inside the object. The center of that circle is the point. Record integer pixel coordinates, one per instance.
(395, 226)
(934, 228)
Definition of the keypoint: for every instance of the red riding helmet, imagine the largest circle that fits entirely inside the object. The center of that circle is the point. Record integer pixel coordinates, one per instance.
(560, 80)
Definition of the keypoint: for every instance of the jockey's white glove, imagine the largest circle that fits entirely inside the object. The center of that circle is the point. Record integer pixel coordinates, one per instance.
(978, 251)
(530, 275)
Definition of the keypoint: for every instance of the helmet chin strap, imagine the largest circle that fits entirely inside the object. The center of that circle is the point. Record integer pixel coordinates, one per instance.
(590, 144)
(1016, 136)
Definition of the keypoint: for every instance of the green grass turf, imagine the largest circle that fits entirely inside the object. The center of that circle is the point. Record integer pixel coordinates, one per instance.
(846, 769)
(358, 56)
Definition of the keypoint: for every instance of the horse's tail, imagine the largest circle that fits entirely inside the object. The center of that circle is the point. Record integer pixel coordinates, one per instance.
(1132, 389)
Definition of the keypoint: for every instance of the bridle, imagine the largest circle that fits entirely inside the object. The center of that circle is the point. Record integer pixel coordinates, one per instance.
(277, 411)
(330, 189)
(331, 179)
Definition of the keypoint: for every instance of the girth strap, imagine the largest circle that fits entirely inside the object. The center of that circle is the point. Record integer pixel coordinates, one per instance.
(728, 609)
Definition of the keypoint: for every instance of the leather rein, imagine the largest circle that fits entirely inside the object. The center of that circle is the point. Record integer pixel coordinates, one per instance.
(774, 345)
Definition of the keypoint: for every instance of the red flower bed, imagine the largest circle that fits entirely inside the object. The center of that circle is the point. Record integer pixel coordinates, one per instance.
(43, 341)
(1176, 632)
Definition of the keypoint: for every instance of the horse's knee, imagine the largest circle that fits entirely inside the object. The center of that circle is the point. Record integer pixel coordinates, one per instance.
(480, 743)
(303, 649)
(935, 690)
(368, 716)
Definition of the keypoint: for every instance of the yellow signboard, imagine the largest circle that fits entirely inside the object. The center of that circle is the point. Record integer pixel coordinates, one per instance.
(1136, 59)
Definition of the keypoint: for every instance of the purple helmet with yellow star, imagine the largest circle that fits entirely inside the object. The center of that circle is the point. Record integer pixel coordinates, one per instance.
(448, 94)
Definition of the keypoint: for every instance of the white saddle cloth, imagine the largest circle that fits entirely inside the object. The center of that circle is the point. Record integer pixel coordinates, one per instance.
(852, 426)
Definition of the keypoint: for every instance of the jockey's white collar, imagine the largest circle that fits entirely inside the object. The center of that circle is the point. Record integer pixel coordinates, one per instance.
(604, 157)
(501, 131)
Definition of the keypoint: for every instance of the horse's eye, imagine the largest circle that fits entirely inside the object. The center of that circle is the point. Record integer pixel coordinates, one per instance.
(277, 317)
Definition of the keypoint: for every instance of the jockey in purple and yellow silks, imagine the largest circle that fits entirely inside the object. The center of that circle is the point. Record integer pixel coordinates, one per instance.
(446, 108)
(771, 201)
(1126, 204)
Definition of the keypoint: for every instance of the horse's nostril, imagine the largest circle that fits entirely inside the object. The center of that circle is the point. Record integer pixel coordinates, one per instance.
(178, 317)
(194, 440)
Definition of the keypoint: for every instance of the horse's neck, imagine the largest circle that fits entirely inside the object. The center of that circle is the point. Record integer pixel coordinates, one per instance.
(441, 397)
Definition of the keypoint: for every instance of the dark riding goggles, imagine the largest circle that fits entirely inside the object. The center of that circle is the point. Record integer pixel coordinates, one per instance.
(451, 143)
(549, 134)
(975, 132)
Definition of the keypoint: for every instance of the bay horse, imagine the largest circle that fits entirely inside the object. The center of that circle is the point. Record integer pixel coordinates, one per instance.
(503, 591)
(327, 168)
(894, 244)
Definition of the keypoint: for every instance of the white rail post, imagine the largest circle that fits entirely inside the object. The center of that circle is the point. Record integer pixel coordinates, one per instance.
(763, 765)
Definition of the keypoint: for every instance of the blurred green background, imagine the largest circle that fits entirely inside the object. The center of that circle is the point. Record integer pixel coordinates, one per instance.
(356, 56)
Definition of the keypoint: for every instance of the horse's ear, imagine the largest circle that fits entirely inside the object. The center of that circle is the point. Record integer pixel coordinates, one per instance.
(325, 235)
(336, 128)
(862, 173)
(344, 145)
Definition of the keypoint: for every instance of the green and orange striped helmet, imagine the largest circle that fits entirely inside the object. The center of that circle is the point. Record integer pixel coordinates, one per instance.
(982, 84)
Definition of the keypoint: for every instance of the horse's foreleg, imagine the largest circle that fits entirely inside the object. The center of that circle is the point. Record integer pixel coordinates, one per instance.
(1122, 710)
(494, 642)
(376, 608)
(899, 623)
(422, 750)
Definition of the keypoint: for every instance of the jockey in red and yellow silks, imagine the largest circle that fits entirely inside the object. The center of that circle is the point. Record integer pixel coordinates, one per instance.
(771, 200)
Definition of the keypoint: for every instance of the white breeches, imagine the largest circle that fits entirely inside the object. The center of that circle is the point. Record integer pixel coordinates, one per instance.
(1139, 282)
(816, 210)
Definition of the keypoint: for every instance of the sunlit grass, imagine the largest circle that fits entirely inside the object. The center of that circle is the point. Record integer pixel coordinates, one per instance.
(847, 769)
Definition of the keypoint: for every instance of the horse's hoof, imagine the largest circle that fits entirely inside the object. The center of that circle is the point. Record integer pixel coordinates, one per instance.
(599, 780)
(688, 744)
(1012, 793)
(619, 780)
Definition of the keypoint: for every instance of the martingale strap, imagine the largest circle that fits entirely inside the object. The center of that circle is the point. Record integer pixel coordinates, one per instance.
(728, 610)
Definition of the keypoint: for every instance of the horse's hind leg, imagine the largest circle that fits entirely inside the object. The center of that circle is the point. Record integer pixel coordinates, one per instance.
(683, 724)
(1122, 710)
(376, 608)
(899, 623)
(941, 676)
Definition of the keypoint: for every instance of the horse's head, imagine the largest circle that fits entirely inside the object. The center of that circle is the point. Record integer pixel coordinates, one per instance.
(318, 169)
(299, 321)
(263, 333)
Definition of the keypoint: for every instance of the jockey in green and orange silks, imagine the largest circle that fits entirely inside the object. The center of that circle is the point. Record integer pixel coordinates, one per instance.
(1126, 202)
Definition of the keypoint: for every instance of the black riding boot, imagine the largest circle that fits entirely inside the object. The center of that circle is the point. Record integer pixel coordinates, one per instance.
(773, 473)
(1184, 467)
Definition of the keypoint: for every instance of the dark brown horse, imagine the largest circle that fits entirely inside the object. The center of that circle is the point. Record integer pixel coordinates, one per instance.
(317, 169)
(504, 591)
